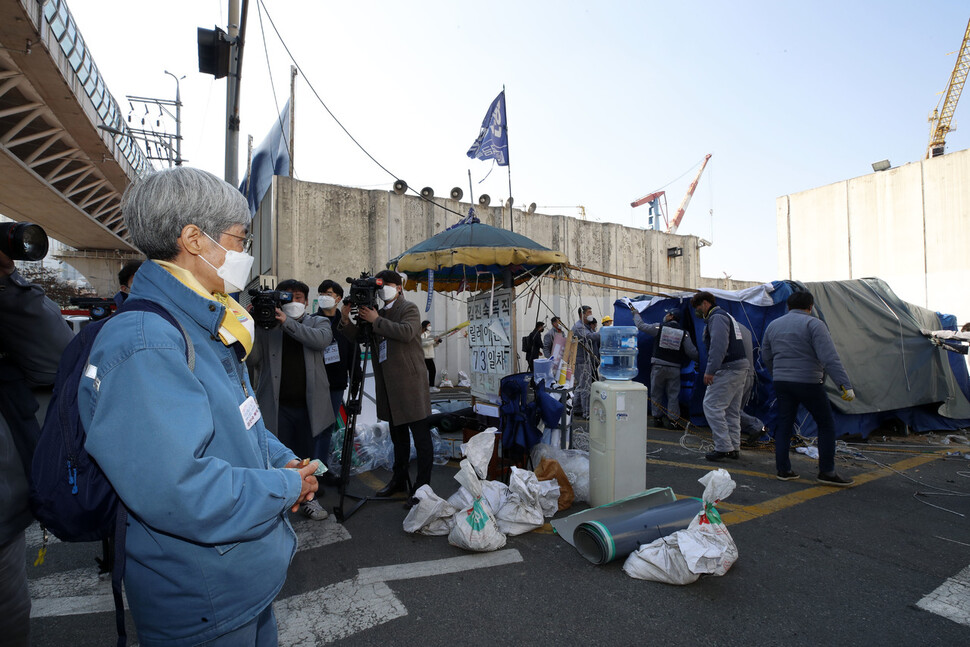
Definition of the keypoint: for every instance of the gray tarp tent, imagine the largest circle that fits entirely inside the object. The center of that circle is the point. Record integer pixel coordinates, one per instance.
(896, 371)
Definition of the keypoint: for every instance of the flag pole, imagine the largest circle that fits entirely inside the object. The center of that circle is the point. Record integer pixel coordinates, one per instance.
(509, 165)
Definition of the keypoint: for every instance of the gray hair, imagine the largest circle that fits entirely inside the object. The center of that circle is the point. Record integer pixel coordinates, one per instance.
(158, 206)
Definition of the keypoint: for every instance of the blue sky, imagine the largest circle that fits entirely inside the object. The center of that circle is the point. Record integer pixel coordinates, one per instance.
(607, 101)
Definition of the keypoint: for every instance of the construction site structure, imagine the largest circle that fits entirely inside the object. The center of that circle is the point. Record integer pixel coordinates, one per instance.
(658, 200)
(941, 118)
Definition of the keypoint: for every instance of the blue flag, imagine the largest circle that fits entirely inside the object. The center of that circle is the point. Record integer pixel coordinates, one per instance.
(271, 157)
(493, 139)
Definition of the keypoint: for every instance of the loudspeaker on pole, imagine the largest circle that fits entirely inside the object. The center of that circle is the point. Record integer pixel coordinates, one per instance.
(427, 192)
(400, 187)
(484, 200)
(457, 193)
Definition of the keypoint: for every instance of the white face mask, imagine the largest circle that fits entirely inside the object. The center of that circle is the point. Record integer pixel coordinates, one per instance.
(590, 318)
(326, 302)
(234, 271)
(389, 293)
(294, 309)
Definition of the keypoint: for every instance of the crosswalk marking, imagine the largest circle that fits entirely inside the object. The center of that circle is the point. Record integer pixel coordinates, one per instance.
(346, 608)
(951, 599)
(82, 590)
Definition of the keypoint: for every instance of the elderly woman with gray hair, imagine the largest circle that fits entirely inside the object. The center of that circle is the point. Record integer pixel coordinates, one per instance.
(206, 486)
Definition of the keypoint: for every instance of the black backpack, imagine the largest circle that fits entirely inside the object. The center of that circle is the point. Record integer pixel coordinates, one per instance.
(69, 494)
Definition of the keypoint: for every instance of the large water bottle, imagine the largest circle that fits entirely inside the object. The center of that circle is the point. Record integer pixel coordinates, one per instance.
(618, 352)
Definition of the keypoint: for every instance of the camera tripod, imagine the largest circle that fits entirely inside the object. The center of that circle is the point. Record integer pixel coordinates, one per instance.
(355, 397)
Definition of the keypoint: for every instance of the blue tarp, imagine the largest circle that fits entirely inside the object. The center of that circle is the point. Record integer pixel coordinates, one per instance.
(897, 373)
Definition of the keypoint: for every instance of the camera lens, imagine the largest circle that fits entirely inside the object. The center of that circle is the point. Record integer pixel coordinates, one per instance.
(23, 241)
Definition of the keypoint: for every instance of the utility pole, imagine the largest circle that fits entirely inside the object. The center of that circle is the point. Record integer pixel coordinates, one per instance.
(237, 37)
(292, 115)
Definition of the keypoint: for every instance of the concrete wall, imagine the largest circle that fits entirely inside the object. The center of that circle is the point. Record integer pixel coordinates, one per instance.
(321, 231)
(907, 226)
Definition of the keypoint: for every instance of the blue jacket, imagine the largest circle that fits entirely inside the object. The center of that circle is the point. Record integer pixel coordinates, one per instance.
(208, 540)
(797, 347)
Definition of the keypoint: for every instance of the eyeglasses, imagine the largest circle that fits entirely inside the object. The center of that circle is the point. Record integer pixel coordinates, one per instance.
(247, 240)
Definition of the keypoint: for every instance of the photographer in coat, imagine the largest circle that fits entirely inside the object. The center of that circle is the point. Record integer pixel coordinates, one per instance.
(291, 378)
(400, 378)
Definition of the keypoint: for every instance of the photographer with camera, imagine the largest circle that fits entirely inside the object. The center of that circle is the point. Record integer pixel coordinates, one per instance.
(291, 378)
(400, 378)
(338, 359)
(32, 337)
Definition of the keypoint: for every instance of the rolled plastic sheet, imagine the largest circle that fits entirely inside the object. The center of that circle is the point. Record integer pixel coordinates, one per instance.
(631, 505)
(604, 540)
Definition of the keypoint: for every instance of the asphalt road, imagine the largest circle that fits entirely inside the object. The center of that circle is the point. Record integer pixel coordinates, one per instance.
(817, 566)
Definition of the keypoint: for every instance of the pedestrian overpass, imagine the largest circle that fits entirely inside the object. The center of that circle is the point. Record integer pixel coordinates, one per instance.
(58, 167)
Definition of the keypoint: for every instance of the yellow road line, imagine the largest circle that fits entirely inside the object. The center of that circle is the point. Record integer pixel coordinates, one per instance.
(741, 514)
(710, 467)
(371, 481)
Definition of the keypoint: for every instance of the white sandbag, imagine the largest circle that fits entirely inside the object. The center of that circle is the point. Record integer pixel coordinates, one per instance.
(432, 515)
(496, 493)
(660, 561)
(479, 450)
(475, 529)
(707, 546)
(549, 498)
(718, 485)
(462, 498)
(521, 512)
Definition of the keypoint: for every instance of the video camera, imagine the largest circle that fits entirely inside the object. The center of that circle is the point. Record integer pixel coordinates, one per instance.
(265, 303)
(23, 241)
(363, 291)
(97, 308)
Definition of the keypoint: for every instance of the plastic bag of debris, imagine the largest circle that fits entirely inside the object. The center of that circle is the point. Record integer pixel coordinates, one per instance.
(475, 527)
(660, 561)
(463, 379)
(521, 512)
(372, 449)
(432, 515)
(574, 462)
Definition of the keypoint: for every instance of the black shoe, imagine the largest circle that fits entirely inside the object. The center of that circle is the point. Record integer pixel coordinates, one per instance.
(672, 424)
(396, 484)
(656, 421)
(833, 479)
(720, 456)
(787, 476)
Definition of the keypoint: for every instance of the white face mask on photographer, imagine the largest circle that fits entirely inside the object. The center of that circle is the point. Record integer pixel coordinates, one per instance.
(234, 270)
(389, 293)
(590, 318)
(326, 302)
(294, 309)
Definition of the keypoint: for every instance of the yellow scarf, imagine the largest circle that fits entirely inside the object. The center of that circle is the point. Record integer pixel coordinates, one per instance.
(234, 322)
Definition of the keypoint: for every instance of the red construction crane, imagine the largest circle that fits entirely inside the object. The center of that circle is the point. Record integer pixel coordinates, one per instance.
(672, 229)
(653, 199)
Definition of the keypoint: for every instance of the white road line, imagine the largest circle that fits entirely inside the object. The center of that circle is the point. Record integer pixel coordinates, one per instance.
(951, 599)
(346, 608)
(83, 591)
(335, 612)
(438, 566)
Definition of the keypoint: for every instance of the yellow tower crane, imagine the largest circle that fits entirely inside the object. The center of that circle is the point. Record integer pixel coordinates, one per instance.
(941, 117)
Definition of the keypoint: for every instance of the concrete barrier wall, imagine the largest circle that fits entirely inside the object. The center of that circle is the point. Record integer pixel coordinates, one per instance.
(324, 231)
(908, 226)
